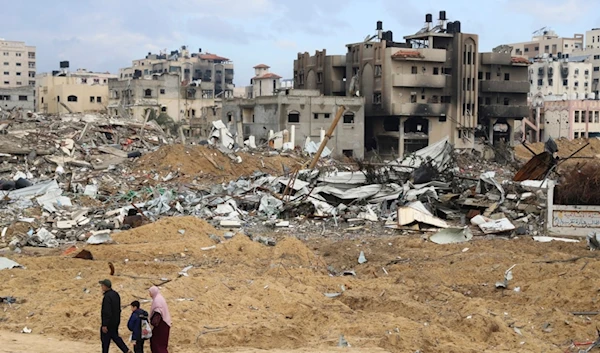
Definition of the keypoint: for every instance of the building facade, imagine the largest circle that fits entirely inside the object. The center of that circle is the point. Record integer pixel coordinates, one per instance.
(17, 98)
(547, 42)
(431, 86)
(592, 39)
(72, 92)
(561, 78)
(212, 74)
(18, 64)
(163, 93)
(264, 83)
(307, 110)
(571, 119)
(326, 73)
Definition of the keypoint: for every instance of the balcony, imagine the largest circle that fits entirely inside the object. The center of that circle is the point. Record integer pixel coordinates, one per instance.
(504, 86)
(419, 109)
(419, 80)
(504, 111)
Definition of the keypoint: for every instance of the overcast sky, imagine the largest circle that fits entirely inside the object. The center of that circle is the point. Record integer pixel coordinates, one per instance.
(104, 35)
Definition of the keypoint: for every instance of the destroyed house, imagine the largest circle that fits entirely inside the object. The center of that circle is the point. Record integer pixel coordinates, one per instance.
(307, 111)
(421, 90)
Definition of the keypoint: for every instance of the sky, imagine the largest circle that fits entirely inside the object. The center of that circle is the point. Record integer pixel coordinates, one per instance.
(105, 35)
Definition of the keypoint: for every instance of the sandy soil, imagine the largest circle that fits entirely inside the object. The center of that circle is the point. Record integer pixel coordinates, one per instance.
(196, 162)
(565, 149)
(411, 294)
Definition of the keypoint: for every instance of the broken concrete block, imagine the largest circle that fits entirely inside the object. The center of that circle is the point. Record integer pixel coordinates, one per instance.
(66, 224)
(235, 224)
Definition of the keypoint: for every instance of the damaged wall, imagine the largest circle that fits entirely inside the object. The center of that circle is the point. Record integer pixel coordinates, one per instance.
(307, 111)
(17, 98)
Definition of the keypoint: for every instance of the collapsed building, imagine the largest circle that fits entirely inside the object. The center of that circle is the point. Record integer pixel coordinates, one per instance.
(435, 84)
(17, 98)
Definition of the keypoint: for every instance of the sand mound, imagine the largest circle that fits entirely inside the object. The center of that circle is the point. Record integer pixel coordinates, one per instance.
(196, 162)
(565, 149)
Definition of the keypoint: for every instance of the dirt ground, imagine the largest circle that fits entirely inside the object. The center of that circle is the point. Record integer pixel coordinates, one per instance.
(565, 149)
(411, 294)
(208, 164)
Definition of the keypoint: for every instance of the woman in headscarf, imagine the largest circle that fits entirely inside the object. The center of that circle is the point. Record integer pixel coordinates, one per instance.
(160, 318)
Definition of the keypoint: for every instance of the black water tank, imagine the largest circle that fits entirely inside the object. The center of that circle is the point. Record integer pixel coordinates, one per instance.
(457, 27)
(388, 36)
(443, 15)
(429, 18)
(199, 50)
(450, 27)
(379, 26)
(64, 64)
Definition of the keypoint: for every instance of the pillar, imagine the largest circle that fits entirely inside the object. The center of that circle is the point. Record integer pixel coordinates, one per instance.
(293, 135)
(401, 138)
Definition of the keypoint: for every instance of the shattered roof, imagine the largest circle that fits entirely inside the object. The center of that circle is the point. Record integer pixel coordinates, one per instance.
(403, 54)
(267, 75)
(209, 56)
(519, 60)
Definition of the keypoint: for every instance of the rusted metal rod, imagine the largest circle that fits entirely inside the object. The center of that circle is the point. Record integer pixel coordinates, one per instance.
(328, 135)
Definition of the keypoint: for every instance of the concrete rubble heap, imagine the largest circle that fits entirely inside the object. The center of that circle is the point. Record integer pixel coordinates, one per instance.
(70, 179)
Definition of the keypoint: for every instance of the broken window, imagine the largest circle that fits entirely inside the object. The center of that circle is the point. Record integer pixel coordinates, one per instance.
(96, 80)
(148, 93)
(550, 81)
(435, 99)
(565, 82)
(446, 99)
(98, 99)
(447, 70)
(92, 99)
(349, 118)
(4, 98)
(31, 65)
(72, 98)
(163, 109)
(378, 70)
(413, 70)
(576, 135)
(229, 117)
(348, 153)
(84, 80)
(413, 98)
(576, 71)
(377, 98)
(32, 83)
(23, 98)
(507, 77)
(506, 101)
(294, 117)
(436, 70)
(576, 116)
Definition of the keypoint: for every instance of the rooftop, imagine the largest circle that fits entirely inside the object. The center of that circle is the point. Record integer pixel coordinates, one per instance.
(209, 56)
(267, 75)
(262, 66)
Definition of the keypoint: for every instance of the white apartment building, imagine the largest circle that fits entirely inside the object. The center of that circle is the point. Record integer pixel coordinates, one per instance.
(561, 78)
(17, 64)
(547, 42)
(592, 39)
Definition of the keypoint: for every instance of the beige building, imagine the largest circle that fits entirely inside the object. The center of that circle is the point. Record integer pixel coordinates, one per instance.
(163, 93)
(17, 98)
(264, 83)
(307, 111)
(573, 80)
(434, 85)
(18, 64)
(571, 119)
(212, 74)
(592, 39)
(547, 42)
(72, 92)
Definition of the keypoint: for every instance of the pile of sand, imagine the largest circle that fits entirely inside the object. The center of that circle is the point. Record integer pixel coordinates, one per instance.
(565, 149)
(201, 162)
(433, 298)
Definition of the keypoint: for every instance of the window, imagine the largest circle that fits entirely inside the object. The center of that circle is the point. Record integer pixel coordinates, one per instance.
(18, 74)
(148, 93)
(58, 98)
(229, 117)
(565, 82)
(83, 80)
(349, 118)
(5, 64)
(316, 116)
(96, 80)
(31, 55)
(576, 116)
(31, 65)
(576, 71)
(32, 74)
(537, 49)
(327, 115)
(42, 100)
(447, 70)
(576, 83)
(488, 101)
(18, 64)
(348, 153)
(436, 70)
(590, 117)
(98, 99)
(596, 68)
(5, 53)
(32, 83)
(293, 117)
(7, 82)
(507, 77)
(377, 98)
(413, 70)
(378, 70)
(435, 99)
(92, 99)
(596, 57)
(72, 98)
(596, 117)
(413, 98)
(446, 99)
(162, 91)
(23, 98)
(540, 82)
(506, 101)
(587, 72)
(576, 134)
(480, 75)
(19, 83)
(550, 81)
(527, 50)
(488, 75)
(4, 98)
(319, 77)
(547, 48)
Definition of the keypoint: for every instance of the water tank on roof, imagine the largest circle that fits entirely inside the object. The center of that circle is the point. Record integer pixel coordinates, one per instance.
(457, 27)
(388, 36)
(443, 15)
(450, 27)
(64, 64)
(379, 26)
(429, 18)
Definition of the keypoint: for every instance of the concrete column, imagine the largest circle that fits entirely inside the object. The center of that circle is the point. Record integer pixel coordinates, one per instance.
(322, 135)
(587, 122)
(293, 135)
(401, 138)
(491, 131)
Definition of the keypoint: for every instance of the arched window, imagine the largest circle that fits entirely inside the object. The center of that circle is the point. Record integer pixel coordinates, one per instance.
(148, 93)
(293, 117)
(72, 99)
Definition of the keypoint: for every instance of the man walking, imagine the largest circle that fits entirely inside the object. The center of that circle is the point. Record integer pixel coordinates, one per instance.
(111, 318)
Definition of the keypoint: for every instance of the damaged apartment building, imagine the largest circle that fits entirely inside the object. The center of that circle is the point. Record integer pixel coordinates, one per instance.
(435, 84)
(211, 74)
(307, 112)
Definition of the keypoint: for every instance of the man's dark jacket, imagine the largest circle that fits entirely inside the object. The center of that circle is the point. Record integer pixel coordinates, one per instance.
(111, 309)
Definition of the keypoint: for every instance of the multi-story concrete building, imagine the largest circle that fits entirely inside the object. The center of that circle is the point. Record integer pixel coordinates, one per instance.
(561, 77)
(307, 110)
(547, 42)
(162, 93)
(326, 73)
(19, 98)
(592, 39)
(18, 63)
(264, 83)
(212, 74)
(570, 118)
(426, 88)
(72, 92)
